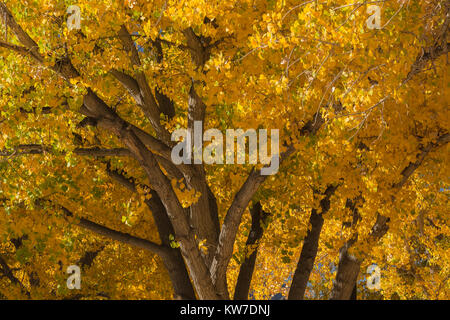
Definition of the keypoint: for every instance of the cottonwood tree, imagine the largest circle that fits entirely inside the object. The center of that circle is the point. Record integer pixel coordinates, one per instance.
(88, 179)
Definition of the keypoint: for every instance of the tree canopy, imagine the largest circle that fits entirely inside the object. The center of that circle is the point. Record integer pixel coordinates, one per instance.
(87, 179)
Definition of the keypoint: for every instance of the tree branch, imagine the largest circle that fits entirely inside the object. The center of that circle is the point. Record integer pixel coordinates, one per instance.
(19, 49)
(89, 256)
(7, 272)
(148, 103)
(198, 46)
(117, 235)
(173, 261)
(23, 37)
(130, 84)
(25, 149)
(409, 170)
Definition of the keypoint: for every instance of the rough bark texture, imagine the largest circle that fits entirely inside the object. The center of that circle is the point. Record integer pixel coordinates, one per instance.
(202, 216)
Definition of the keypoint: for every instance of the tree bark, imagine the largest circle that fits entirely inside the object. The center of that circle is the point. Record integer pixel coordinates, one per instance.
(354, 295)
(248, 266)
(307, 257)
(309, 249)
(346, 276)
(349, 266)
(173, 261)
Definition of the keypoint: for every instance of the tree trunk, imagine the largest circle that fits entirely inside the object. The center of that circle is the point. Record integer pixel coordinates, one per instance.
(309, 249)
(173, 262)
(307, 257)
(346, 277)
(247, 268)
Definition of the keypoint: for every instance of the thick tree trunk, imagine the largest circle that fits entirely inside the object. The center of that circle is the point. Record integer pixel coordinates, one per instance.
(307, 257)
(309, 249)
(347, 274)
(172, 259)
(354, 293)
(348, 268)
(173, 262)
(182, 286)
(247, 268)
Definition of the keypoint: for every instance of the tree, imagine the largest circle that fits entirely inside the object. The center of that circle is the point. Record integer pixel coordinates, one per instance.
(88, 179)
